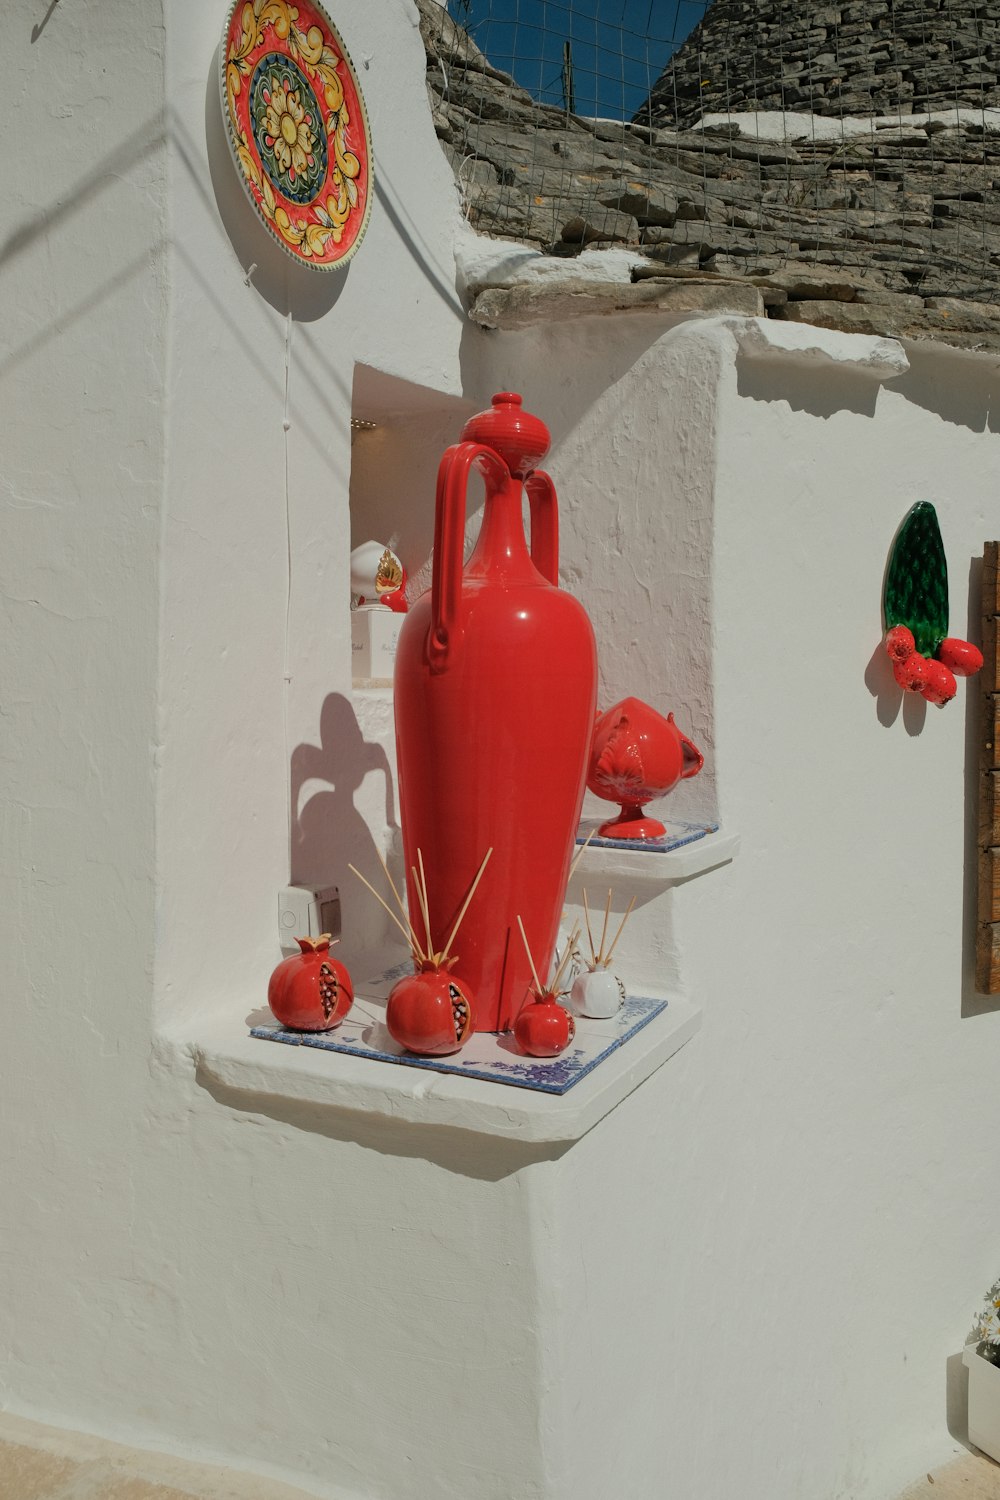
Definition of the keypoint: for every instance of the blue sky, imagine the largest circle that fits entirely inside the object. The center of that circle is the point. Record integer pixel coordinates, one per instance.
(620, 47)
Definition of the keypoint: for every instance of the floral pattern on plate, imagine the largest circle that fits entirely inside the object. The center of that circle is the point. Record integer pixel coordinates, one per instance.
(287, 127)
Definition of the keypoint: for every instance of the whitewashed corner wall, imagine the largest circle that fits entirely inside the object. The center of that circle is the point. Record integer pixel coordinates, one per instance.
(846, 1040)
(83, 313)
(787, 1228)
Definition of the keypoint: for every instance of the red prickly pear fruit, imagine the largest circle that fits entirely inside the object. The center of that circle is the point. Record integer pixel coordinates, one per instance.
(899, 643)
(960, 657)
(911, 674)
(940, 686)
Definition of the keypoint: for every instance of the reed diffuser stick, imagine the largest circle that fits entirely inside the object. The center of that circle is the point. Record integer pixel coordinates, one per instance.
(567, 955)
(579, 855)
(590, 935)
(607, 913)
(459, 919)
(421, 885)
(618, 934)
(418, 953)
(531, 961)
(415, 946)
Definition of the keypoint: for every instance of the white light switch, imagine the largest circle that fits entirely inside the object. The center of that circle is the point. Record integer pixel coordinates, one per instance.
(303, 912)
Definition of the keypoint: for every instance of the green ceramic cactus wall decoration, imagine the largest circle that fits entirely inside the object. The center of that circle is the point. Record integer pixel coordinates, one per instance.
(916, 583)
(925, 659)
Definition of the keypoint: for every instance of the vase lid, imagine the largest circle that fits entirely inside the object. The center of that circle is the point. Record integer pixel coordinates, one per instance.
(522, 440)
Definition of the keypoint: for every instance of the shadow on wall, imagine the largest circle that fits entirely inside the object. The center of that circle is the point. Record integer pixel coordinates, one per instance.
(40, 26)
(142, 145)
(466, 1153)
(960, 388)
(957, 1400)
(822, 390)
(889, 696)
(328, 831)
(957, 387)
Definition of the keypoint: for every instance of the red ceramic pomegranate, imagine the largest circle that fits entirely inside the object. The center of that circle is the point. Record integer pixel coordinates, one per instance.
(637, 755)
(544, 1028)
(430, 1012)
(495, 690)
(311, 991)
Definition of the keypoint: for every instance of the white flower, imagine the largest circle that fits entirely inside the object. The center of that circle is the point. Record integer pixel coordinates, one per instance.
(988, 1329)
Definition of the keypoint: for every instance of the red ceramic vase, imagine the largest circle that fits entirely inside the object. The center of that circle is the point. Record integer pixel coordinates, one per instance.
(311, 991)
(544, 1028)
(429, 1013)
(638, 755)
(495, 691)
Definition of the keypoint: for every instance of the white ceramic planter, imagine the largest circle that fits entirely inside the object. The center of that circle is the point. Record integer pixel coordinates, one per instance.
(597, 994)
(984, 1402)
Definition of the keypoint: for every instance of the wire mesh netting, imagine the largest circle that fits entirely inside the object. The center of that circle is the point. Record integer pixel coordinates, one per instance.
(593, 57)
(732, 138)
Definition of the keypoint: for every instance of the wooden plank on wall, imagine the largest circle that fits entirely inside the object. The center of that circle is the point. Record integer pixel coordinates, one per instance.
(988, 959)
(991, 656)
(988, 915)
(990, 756)
(989, 886)
(989, 810)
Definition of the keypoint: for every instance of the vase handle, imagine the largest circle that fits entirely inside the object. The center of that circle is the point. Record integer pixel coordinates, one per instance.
(544, 525)
(693, 758)
(449, 539)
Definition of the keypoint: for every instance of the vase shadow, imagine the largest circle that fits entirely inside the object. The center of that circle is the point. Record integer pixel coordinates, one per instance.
(329, 833)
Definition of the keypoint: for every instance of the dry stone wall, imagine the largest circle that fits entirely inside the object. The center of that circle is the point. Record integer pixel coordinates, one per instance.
(874, 57)
(895, 230)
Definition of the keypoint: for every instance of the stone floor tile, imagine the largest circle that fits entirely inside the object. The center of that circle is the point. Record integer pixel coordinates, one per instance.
(112, 1483)
(27, 1474)
(972, 1477)
(38, 1462)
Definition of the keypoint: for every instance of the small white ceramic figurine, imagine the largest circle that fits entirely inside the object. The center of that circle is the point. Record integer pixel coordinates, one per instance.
(377, 577)
(597, 993)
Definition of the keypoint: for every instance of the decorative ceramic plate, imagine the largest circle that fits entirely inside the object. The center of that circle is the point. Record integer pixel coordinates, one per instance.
(298, 128)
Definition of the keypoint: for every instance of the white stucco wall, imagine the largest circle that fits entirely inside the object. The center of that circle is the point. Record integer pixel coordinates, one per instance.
(817, 1158)
(749, 1277)
(256, 538)
(83, 309)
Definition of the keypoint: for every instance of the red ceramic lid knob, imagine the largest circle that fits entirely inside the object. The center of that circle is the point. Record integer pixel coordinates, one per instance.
(521, 440)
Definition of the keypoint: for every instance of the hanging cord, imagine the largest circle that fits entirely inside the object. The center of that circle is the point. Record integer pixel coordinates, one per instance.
(286, 664)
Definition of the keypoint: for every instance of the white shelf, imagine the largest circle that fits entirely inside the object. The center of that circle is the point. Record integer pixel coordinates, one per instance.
(243, 1069)
(246, 1072)
(659, 866)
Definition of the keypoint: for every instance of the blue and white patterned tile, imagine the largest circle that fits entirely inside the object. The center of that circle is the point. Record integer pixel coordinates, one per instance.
(488, 1055)
(676, 836)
